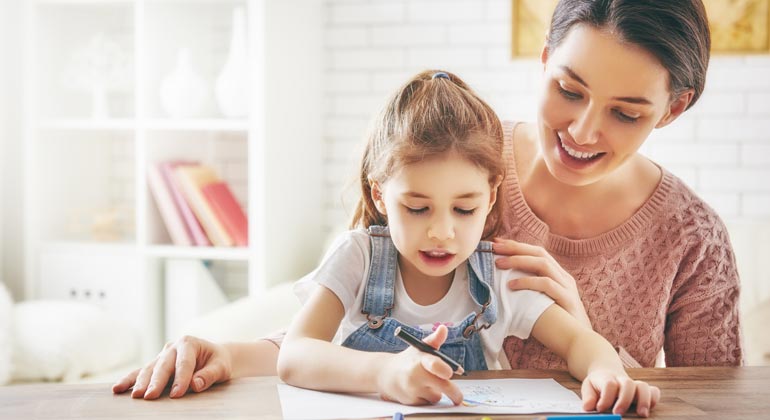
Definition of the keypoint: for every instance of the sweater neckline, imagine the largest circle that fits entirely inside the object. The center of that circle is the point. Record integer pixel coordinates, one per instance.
(562, 245)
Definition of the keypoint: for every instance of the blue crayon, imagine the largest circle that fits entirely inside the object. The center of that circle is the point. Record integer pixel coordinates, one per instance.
(398, 416)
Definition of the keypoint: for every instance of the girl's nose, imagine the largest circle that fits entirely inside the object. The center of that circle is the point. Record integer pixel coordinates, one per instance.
(441, 229)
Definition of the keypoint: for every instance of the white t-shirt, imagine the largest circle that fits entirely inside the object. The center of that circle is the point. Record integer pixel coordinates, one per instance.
(345, 269)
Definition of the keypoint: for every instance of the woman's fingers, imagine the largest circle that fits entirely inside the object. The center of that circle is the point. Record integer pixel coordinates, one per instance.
(511, 247)
(540, 284)
(125, 383)
(142, 380)
(161, 373)
(184, 367)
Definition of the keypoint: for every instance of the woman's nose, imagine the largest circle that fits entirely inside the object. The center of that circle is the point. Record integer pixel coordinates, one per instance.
(585, 128)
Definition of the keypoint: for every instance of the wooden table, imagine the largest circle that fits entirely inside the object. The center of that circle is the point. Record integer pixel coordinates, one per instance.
(688, 393)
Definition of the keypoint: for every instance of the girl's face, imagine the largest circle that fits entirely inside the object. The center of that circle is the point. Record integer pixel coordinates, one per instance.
(601, 99)
(436, 211)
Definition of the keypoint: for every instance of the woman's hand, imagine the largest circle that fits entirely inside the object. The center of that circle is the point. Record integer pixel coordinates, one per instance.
(605, 390)
(192, 362)
(549, 277)
(416, 378)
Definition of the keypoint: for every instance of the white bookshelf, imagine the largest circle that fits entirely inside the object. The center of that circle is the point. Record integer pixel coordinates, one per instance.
(86, 196)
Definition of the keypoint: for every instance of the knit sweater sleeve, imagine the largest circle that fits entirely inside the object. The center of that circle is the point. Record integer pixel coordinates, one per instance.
(703, 327)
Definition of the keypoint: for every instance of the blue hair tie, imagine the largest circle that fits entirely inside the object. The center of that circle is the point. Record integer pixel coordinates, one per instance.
(440, 74)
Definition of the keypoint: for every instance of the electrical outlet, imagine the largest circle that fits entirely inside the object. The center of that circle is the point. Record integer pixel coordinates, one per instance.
(105, 276)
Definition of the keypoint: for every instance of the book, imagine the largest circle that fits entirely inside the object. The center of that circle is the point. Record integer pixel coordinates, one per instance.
(194, 228)
(228, 211)
(172, 219)
(191, 180)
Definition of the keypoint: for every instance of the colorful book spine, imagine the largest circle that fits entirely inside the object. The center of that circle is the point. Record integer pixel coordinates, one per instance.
(167, 169)
(191, 180)
(228, 211)
(169, 212)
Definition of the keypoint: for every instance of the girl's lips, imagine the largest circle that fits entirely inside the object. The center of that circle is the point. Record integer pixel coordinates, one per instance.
(436, 258)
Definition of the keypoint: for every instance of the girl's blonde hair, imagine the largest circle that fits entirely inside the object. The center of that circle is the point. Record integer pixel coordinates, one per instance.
(434, 113)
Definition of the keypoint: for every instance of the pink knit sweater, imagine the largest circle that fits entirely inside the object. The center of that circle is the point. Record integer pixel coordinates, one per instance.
(666, 278)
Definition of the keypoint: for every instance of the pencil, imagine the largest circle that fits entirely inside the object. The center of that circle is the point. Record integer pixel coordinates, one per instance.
(424, 347)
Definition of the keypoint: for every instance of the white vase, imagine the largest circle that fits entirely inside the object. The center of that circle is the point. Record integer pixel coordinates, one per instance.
(232, 85)
(183, 91)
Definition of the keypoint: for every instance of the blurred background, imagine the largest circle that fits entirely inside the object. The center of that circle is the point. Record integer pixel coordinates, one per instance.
(138, 136)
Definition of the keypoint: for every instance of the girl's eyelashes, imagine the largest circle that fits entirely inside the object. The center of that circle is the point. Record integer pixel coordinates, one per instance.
(422, 210)
(419, 210)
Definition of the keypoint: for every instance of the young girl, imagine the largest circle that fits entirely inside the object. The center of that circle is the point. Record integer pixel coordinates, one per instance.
(429, 179)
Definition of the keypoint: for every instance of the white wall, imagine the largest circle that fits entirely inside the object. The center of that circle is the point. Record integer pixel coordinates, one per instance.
(11, 261)
(721, 147)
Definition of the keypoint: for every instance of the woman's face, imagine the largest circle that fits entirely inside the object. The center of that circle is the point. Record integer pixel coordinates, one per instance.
(601, 99)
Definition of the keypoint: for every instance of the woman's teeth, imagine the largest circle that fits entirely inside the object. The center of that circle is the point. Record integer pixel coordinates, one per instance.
(577, 155)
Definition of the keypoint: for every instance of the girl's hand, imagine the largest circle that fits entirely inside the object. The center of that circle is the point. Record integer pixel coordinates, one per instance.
(416, 378)
(192, 362)
(549, 277)
(605, 390)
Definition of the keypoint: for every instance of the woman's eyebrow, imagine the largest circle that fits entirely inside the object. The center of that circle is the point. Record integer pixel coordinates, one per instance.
(630, 99)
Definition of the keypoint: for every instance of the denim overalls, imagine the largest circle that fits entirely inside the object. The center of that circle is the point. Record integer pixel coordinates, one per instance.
(462, 344)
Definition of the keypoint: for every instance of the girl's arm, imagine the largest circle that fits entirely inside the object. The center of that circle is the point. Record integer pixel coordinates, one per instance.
(308, 359)
(593, 360)
(547, 275)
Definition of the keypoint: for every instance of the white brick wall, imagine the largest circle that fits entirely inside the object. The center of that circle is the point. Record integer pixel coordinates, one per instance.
(721, 147)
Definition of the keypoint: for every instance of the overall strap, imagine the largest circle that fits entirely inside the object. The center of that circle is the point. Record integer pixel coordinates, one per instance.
(380, 285)
(481, 280)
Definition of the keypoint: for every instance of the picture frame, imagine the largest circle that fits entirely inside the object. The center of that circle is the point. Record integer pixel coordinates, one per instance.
(737, 26)
(531, 19)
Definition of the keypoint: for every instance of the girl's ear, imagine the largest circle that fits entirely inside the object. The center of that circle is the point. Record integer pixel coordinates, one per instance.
(377, 197)
(676, 108)
(495, 185)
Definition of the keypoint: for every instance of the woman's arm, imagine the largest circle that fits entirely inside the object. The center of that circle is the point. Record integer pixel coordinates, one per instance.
(548, 276)
(308, 359)
(591, 358)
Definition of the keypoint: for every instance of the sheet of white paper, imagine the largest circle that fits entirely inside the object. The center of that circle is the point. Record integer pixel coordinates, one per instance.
(489, 396)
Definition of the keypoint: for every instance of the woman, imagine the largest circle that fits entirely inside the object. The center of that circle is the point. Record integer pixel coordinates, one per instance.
(616, 240)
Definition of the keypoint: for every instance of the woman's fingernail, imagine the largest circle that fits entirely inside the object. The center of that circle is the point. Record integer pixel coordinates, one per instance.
(198, 384)
(174, 390)
(644, 412)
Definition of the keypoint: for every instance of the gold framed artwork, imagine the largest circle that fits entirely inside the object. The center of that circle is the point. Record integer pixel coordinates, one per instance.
(737, 26)
(531, 19)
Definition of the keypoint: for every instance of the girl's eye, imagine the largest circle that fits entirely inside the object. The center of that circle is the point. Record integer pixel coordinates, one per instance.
(623, 117)
(569, 95)
(420, 210)
(465, 212)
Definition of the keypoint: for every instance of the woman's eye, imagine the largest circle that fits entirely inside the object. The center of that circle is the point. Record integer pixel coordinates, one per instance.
(419, 210)
(465, 212)
(623, 117)
(569, 95)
